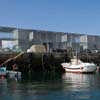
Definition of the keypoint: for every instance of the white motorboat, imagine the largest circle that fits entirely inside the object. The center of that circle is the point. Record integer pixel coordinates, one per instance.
(78, 66)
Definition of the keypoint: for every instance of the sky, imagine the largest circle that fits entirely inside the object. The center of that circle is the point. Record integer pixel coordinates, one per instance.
(79, 16)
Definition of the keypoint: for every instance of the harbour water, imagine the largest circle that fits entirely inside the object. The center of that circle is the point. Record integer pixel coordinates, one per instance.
(69, 86)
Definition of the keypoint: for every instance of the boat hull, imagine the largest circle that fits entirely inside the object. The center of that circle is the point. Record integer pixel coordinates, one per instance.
(80, 70)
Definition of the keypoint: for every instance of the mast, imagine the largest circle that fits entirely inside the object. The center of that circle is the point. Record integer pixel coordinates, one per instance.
(86, 46)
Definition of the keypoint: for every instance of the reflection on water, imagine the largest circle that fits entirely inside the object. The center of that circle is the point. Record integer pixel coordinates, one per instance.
(79, 82)
(70, 86)
(82, 86)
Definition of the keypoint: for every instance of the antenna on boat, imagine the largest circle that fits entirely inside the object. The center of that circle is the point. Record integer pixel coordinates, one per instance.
(86, 46)
(42, 55)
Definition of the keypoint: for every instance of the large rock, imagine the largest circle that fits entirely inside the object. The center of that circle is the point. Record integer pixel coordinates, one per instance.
(37, 49)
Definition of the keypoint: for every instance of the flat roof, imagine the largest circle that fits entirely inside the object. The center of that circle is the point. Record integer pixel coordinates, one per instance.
(6, 29)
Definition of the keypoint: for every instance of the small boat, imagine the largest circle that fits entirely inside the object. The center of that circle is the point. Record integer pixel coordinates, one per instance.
(9, 73)
(14, 74)
(3, 71)
(78, 66)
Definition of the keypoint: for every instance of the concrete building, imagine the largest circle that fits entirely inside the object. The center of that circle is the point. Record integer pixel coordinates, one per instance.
(71, 40)
(25, 38)
(91, 42)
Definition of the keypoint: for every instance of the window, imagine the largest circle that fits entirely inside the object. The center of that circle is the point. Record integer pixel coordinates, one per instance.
(31, 36)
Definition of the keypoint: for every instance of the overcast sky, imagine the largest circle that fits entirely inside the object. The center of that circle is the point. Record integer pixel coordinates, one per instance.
(80, 16)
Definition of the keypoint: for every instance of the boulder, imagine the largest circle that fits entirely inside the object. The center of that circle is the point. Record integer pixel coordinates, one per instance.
(37, 49)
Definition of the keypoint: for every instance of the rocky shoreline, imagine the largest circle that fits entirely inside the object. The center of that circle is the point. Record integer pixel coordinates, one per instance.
(43, 62)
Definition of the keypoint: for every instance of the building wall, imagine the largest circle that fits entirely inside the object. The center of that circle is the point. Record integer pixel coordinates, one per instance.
(90, 42)
(94, 42)
(24, 39)
(71, 40)
(52, 40)
(83, 42)
(27, 38)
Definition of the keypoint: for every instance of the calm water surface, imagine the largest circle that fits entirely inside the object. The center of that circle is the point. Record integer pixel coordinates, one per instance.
(69, 87)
